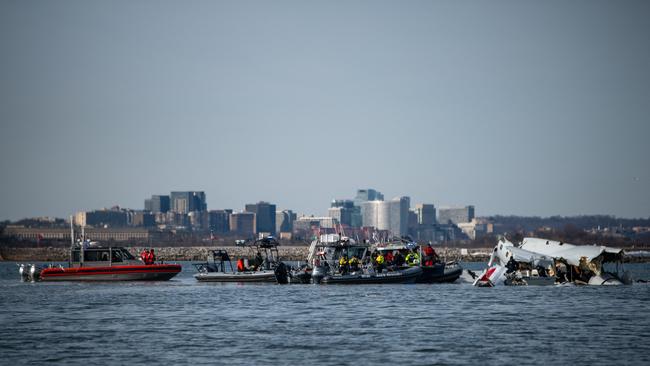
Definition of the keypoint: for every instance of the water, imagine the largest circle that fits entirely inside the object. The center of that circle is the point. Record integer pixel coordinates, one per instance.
(182, 321)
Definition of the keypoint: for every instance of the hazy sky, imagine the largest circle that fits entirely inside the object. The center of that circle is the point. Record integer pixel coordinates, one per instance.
(517, 107)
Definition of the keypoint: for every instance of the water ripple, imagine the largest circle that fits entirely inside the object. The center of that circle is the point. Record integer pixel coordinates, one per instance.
(182, 321)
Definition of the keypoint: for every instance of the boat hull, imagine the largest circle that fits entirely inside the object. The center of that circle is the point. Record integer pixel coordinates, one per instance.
(440, 273)
(154, 272)
(262, 276)
(409, 275)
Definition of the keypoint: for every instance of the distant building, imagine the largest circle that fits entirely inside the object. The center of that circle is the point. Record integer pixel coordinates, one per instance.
(186, 202)
(346, 213)
(102, 234)
(173, 219)
(264, 216)
(98, 218)
(219, 221)
(322, 222)
(198, 220)
(373, 213)
(412, 222)
(390, 215)
(141, 219)
(455, 215)
(243, 224)
(367, 195)
(340, 214)
(157, 204)
(284, 221)
(474, 229)
(426, 214)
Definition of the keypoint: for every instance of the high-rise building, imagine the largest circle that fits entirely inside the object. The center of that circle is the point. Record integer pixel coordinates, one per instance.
(455, 215)
(346, 213)
(243, 224)
(264, 216)
(341, 215)
(390, 215)
(399, 215)
(426, 213)
(219, 221)
(284, 221)
(186, 202)
(367, 195)
(159, 203)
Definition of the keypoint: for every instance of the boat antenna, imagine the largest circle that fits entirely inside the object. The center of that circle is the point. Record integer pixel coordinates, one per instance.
(83, 244)
(71, 240)
(71, 232)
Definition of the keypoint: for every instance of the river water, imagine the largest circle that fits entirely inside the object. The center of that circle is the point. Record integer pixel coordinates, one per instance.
(185, 322)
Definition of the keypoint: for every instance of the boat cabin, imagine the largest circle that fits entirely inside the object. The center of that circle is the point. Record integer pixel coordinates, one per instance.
(331, 247)
(96, 255)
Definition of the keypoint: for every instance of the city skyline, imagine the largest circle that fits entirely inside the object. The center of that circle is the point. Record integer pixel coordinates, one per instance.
(414, 206)
(536, 108)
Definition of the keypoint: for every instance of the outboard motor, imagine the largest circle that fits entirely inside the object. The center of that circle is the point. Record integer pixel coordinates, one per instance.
(33, 273)
(318, 273)
(23, 273)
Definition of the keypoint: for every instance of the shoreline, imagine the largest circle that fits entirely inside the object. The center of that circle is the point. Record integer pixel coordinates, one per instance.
(198, 253)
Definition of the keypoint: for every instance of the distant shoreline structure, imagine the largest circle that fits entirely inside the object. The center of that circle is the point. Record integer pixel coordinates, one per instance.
(199, 253)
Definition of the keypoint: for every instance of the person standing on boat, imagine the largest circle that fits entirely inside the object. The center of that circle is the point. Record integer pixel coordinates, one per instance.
(240, 265)
(430, 256)
(152, 257)
(258, 260)
(145, 256)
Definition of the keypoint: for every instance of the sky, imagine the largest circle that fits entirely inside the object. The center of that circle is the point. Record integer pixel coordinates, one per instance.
(517, 107)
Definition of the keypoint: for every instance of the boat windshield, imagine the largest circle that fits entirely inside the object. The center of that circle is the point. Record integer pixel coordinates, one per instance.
(103, 255)
(349, 252)
(123, 253)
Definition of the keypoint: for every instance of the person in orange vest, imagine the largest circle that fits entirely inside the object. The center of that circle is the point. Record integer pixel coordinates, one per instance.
(240, 265)
(430, 256)
(145, 256)
(389, 259)
(152, 257)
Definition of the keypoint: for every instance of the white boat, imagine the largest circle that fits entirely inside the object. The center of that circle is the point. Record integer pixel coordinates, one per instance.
(267, 268)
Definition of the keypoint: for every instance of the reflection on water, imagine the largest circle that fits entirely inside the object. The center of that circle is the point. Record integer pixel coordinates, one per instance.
(182, 321)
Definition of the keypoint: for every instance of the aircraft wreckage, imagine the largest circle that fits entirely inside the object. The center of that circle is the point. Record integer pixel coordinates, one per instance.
(546, 262)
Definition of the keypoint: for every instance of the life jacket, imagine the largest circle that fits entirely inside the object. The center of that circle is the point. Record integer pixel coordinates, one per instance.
(413, 259)
(380, 259)
(240, 265)
(389, 257)
(146, 257)
(428, 251)
(343, 261)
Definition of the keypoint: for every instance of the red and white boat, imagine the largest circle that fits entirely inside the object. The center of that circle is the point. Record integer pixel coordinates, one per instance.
(101, 263)
(91, 261)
